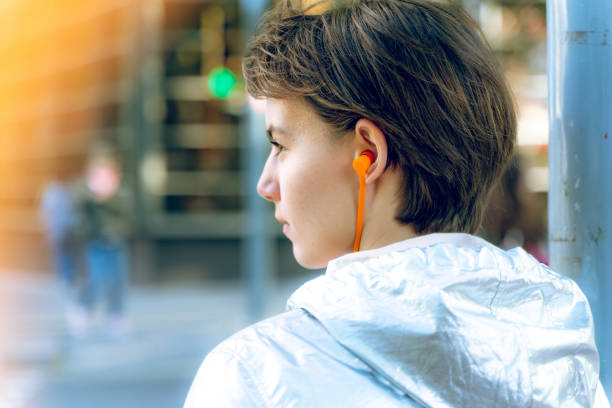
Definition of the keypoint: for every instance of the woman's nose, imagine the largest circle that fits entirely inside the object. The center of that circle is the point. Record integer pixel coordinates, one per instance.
(267, 186)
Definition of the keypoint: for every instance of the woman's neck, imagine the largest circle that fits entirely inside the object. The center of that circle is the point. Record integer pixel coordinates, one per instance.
(380, 228)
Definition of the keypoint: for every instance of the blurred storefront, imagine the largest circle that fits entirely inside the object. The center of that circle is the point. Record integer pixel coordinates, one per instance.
(157, 80)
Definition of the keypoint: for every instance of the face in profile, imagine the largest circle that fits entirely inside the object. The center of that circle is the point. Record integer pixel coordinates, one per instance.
(309, 178)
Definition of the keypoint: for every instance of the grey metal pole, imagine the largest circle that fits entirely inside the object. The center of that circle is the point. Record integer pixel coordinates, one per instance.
(256, 262)
(580, 156)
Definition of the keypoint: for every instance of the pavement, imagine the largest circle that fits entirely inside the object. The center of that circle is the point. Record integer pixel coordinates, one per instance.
(172, 328)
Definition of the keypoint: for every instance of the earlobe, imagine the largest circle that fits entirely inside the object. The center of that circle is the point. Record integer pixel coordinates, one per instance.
(370, 137)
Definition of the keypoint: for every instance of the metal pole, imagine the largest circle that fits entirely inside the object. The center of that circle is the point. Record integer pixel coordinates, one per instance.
(580, 156)
(256, 262)
(144, 125)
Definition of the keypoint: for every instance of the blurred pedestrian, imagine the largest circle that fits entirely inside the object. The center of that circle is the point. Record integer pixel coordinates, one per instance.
(422, 313)
(59, 215)
(103, 205)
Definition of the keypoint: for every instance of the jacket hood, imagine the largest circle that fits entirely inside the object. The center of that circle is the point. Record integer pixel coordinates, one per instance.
(451, 320)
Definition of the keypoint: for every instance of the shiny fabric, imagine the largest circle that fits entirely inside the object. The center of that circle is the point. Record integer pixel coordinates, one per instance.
(442, 320)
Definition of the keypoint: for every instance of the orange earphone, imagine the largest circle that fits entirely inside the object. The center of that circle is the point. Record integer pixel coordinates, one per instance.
(361, 165)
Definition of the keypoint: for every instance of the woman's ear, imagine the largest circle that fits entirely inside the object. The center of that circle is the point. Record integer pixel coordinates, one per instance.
(368, 136)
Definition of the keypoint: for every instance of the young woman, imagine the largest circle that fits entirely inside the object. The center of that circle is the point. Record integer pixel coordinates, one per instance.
(413, 310)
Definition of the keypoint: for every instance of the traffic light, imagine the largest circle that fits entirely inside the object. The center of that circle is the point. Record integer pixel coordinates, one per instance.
(220, 82)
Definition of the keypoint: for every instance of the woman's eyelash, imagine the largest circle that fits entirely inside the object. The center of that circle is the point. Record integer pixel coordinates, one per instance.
(277, 145)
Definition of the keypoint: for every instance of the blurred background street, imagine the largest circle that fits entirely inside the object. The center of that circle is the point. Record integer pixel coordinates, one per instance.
(172, 329)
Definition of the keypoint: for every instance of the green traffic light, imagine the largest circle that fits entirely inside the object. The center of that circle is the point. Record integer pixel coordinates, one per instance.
(220, 82)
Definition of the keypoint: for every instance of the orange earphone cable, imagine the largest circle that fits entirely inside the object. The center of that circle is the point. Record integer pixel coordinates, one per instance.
(360, 213)
(361, 165)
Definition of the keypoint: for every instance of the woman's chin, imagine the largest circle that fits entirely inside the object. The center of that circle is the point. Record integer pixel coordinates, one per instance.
(308, 260)
(315, 259)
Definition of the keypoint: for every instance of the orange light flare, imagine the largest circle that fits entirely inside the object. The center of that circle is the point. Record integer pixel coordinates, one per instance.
(57, 59)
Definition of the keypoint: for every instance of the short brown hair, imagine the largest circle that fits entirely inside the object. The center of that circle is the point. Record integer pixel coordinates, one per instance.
(421, 71)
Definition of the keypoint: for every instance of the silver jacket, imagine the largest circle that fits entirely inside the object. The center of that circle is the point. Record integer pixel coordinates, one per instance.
(442, 320)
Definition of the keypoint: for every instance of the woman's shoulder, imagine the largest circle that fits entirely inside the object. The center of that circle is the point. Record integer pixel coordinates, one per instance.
(247, 368)
(293, 338)
(287, 360)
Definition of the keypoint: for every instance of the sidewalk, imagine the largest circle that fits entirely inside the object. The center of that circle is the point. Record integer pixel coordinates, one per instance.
(172, 329)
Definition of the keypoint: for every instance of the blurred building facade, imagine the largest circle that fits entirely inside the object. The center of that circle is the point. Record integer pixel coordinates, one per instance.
(160, 81)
